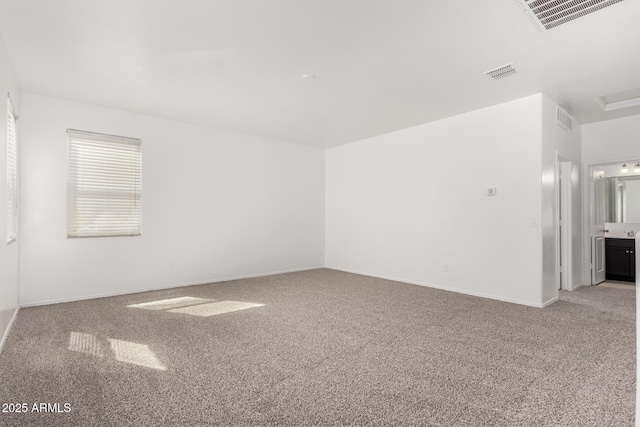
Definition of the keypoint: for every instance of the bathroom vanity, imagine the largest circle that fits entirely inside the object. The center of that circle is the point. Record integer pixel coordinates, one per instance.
(620, 259)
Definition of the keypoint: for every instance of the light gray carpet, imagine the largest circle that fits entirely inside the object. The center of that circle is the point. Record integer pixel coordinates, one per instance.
(327, 348)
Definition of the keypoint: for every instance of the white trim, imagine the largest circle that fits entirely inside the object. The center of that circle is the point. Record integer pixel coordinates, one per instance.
(556, 222)
(575, 287)
(567, 200)
(625, 103)
(563, 202)
(637, 327)
(587, 213)
(6, 332)
(158, 288)
(447, 288)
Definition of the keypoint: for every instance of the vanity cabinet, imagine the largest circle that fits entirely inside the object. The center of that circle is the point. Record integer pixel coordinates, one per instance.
(620, 259)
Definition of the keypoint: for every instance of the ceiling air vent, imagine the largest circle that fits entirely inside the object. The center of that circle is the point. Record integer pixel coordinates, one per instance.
(564, 120)
(548, 14)
(616, 101)
(502, 72)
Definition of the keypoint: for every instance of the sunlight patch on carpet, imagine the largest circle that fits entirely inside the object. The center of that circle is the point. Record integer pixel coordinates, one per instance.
(215, 308)
(136, 354)
(166, 304)
(122, 351)
(85, 343)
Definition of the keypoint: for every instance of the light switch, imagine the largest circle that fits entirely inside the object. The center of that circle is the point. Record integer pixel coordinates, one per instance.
(492, 191)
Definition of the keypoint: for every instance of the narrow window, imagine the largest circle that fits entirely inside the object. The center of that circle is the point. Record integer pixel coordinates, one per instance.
(104, 192)
(12, 174)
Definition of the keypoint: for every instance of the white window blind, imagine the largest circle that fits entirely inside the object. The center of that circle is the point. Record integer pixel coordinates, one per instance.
(104, 185)
(12, 174)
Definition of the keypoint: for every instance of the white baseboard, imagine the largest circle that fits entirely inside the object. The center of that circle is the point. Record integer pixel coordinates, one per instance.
(576, 287)
(6, 332)
(158, 288)
(450, 289)
(249, 276)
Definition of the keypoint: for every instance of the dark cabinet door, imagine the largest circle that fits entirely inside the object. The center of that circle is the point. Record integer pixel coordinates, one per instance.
(621, 259)
(618, 262)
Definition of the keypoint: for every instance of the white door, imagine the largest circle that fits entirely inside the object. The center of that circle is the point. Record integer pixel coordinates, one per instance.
(597, 232)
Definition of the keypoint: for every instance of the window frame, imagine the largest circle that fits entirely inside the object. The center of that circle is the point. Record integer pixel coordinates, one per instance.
(12, 175)
(75, 233)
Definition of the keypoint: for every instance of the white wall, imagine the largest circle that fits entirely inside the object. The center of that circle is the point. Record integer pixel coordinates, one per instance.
(216, 205)
(556, 142)
(611, 140)
(406, 204)
(9, 254)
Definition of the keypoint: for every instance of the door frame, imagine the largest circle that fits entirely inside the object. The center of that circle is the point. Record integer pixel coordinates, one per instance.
(588, 212)
(564, 247)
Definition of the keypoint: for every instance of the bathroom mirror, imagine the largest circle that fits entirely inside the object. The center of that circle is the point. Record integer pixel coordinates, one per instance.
(622, 197)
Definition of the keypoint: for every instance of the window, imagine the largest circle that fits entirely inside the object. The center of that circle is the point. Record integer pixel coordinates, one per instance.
(12, 174)
(104, 185)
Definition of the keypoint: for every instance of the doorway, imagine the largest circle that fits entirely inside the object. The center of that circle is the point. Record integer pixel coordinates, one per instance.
(612, 210)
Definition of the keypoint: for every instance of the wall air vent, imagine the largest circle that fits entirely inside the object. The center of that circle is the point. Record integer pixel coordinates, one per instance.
(548, 14)
(564, 120)
(502, 72)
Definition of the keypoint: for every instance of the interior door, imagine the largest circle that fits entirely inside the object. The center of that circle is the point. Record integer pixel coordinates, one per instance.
(597, 233)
